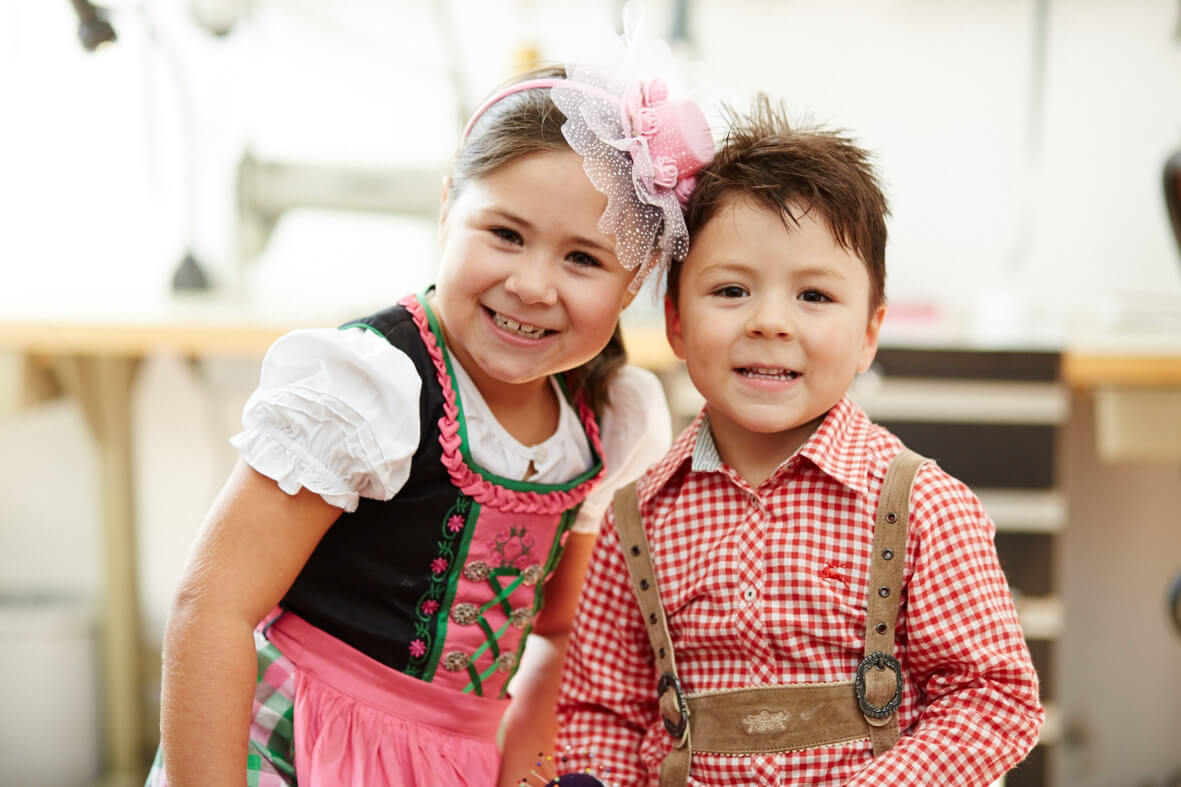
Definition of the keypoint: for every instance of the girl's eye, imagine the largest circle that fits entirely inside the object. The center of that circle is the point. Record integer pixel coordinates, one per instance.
(582, 258)
(730, 291)
(814, 296)
(507, 235)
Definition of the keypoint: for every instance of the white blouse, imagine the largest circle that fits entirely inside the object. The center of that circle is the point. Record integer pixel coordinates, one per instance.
(336, 412)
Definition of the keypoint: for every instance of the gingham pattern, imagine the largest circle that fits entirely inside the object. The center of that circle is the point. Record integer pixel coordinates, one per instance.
(270, 761)
(768, 586)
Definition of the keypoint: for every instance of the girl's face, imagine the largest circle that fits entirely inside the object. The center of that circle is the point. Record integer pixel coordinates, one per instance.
(527, 284)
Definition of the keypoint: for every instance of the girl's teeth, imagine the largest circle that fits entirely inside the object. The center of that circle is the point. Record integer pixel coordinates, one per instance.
(512, 325)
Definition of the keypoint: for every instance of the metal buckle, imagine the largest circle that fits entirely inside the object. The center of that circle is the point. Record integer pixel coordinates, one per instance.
(670, 681)
(880, 660)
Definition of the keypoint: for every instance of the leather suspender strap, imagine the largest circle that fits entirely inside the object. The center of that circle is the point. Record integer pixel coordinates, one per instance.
(673, 707)
(783, 718)
(878, 684)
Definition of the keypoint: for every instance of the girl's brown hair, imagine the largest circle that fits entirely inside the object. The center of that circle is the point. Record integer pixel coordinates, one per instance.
(794, 172)
(517, 125)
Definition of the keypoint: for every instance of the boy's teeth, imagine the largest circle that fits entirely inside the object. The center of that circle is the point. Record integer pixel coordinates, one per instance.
(770, 373)
(512, 325)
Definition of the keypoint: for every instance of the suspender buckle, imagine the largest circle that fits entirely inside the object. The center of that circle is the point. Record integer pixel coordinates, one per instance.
(676, 717)
(878, 660)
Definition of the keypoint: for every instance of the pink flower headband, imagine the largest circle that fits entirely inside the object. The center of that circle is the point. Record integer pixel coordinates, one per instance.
(639, 149)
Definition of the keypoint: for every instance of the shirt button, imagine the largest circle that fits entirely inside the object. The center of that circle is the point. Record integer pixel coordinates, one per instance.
(749, 594)
(540, 454)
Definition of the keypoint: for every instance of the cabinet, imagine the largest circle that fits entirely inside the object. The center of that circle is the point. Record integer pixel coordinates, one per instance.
(993, 419)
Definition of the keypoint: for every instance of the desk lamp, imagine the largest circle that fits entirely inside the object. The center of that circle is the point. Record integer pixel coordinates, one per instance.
(93, 28)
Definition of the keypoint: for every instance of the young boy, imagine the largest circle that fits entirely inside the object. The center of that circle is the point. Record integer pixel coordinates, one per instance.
(760, 524)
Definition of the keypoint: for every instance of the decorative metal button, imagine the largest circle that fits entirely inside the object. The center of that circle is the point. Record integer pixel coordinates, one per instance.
(636, 551)
(532, 575)
(521, 617)
(653, 619)
(883, 591)
(506, 661)
(456, 661)
(880, 628)
(465, 614)
(644, 584)
(477, 571)
(891, 517)
(887, 554)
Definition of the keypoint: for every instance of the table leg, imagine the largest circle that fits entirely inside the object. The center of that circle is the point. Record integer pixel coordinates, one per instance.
(102, 385)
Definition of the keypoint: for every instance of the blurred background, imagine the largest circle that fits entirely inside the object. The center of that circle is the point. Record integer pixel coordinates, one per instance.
(183, 180)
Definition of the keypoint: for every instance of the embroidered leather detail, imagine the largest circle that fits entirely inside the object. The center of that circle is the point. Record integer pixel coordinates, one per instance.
(456, 661)
(506, 661)
(472, 483)
(465, 614)
(532, 575)
(477, 571)
(765, 722)
(521, 617)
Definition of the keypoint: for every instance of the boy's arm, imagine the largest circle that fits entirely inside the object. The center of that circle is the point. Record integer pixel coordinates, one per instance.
(608, 694)
(966, 660)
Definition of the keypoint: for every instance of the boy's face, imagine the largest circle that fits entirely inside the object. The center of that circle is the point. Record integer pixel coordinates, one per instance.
(773, 325)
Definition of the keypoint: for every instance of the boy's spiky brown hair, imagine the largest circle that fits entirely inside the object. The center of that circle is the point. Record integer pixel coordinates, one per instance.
(795, 172)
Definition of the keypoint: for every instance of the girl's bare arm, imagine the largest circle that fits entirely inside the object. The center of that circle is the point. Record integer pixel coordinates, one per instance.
(252, 545)
(530, 725)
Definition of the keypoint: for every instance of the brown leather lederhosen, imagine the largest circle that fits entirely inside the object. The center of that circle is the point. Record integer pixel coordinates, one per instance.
(783, 718)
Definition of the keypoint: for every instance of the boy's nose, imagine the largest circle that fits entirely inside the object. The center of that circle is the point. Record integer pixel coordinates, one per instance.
(531, 280)
(770, 318)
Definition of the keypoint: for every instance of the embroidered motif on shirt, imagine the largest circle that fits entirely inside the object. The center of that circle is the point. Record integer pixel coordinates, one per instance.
(451, 531)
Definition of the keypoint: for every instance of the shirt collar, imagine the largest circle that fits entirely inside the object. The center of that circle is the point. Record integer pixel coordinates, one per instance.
(838, 448)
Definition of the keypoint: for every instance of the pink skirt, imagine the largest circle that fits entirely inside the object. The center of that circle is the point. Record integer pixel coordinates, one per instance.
(359, 722)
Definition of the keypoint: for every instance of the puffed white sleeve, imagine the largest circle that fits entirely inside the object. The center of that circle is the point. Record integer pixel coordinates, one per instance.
(335, 412)
(636, 431)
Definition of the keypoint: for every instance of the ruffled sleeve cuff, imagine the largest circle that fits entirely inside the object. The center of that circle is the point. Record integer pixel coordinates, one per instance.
(636, 432)
(336, 413)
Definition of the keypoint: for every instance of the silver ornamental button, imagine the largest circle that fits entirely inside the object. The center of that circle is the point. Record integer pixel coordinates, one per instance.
(531, 575)
(465, 614)
(477, 571)
(505, 661)
(521, 617)
(455, 661)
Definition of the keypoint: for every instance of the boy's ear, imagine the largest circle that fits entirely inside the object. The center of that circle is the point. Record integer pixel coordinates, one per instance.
(869, 346)
(672, 327)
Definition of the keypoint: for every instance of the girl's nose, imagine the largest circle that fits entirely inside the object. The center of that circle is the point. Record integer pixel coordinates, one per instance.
(531, 280)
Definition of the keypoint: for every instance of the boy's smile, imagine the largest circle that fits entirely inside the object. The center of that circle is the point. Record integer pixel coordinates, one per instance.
(773, 322)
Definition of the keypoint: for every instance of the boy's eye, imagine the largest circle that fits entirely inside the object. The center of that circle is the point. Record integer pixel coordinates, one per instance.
(814, 296)
(507, 235)
(582, 258)
(730, 291)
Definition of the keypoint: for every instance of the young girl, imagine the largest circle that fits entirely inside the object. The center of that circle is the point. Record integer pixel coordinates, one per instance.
(413, 485)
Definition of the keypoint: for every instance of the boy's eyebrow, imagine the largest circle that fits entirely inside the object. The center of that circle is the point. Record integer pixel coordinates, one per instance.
(526, 224)
(725, 266)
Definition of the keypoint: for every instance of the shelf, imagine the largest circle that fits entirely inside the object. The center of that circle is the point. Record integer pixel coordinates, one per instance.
(961, 401)
(1042, 618)
(1023, 511)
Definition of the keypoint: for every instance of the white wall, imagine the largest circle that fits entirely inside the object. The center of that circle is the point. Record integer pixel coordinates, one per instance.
(93, 198)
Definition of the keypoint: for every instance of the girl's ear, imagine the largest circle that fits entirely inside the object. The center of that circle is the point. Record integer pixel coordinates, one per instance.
(443, 203)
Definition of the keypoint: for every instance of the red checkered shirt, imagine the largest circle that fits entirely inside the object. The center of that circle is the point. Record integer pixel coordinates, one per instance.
(769, 586)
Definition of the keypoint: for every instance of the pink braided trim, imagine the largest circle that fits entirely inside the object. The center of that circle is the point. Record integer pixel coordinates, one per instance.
(472, 483)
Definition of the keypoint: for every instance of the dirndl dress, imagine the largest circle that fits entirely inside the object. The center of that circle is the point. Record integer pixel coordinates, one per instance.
(389, 658)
